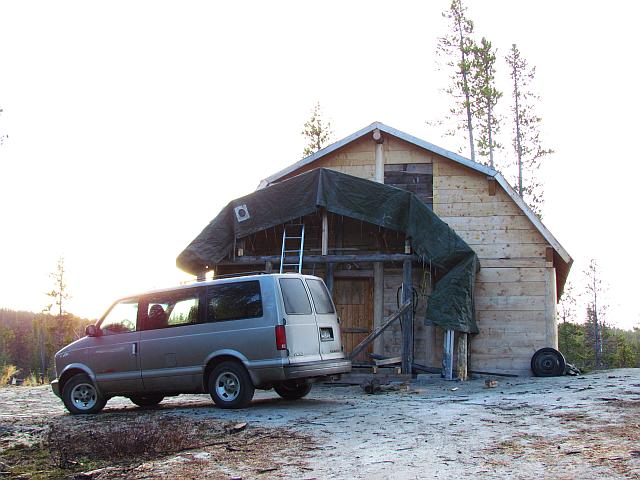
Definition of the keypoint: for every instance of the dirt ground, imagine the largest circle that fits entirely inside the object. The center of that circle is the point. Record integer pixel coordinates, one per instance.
(561, 428)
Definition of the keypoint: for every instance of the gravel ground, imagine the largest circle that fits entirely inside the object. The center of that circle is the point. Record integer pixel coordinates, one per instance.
(566, 427)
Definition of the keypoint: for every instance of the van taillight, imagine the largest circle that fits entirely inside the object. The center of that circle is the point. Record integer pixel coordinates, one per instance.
(281, 338)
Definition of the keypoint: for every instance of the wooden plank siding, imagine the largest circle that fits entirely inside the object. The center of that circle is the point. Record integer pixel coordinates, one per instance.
(511, 287)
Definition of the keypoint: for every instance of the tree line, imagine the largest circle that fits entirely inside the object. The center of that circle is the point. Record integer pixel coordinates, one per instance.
(585, 336)
(29, 341)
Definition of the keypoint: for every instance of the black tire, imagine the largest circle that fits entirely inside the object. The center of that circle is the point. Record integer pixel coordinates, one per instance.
(230, 385)
(146, 400)
(548, 362)
(292, 390)
(80, 396)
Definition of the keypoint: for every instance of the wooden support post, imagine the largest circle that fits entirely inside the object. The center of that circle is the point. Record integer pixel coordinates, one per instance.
(447, 358)
(329, 281)
(378, 303)
(325, 232)
(407, 318)
(462, 352)
(268, 267)
(550, 301)
(202, 276)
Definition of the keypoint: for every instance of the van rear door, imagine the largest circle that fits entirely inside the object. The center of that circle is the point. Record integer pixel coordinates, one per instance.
(301, 328)
(328, 327)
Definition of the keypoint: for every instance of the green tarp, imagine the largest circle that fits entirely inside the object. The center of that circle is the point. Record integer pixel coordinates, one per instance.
(451, 302)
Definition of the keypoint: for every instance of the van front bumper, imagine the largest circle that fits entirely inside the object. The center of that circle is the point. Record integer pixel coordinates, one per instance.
(324, 368)
(55, 386)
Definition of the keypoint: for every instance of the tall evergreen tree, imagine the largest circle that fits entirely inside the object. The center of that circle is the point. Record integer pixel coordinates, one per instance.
(596, 309)
(526, 131)
(317, 132)
(483, 88)
(567, 304)
(456, 47)
(59, 292)
(3, 136)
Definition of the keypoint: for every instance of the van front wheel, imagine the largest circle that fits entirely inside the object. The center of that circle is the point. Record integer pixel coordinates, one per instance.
(292, 390)
(230, 385)
(80, 396)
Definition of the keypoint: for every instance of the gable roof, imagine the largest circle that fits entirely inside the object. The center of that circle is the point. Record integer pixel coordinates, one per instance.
(561, 252)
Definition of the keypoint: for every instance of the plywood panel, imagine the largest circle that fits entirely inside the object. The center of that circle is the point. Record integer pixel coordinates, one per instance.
(463, 209)
(510, 289)
(455, 182)
(476, 237)
(510, 250)
(471, 195)
(515, 318)
(510, 303)
(488, 274)
(514, 222)
(451, 168)
(513, 263)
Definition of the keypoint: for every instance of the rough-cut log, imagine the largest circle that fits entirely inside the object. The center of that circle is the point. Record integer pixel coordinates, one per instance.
(306, 259)
(376, 332)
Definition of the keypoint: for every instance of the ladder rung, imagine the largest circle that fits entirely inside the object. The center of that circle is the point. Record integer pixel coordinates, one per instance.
(293, 238)
(292, 251)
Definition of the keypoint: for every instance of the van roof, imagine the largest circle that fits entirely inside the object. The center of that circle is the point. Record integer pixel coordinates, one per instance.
(217, 281)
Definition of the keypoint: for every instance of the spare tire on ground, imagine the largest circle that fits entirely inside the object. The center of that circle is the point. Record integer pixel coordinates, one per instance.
(548, 362)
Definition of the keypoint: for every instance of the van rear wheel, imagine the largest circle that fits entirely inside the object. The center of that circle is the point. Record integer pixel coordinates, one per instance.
(292, 390)
(230, 385)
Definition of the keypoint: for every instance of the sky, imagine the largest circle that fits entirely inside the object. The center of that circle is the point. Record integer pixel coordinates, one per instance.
(131, 124)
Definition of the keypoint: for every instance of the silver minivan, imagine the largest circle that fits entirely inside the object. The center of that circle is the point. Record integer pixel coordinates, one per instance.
(225, 337)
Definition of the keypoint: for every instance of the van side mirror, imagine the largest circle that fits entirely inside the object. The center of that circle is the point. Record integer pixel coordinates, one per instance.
(92, 331)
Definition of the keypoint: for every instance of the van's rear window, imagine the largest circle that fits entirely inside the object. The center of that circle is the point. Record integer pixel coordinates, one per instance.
(320, 295)
(234, 301)
(295, 297)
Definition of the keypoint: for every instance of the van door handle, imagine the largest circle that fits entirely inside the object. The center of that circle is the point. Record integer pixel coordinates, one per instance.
(134, 349)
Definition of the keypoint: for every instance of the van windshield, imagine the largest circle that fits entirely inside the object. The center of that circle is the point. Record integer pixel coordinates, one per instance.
(320, 295)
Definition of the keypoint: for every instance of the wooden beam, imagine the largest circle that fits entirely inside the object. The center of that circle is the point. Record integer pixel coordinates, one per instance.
(373, 257)
(549, 254)
(492, 186)
(407, 319)
(378, 302)
(330, 278)
(377, 331)
(462, 355)
(447, 358)
(325, 232)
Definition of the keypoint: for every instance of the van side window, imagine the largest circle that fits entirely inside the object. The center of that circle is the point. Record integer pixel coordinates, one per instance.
(234, 301)
(121, 318)
(295, 297)
(320, 295)
(171, 311)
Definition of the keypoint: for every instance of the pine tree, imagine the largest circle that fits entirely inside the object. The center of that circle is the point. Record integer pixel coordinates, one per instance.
(596, 309)
(3, 137)
(59, 292)
(567, 304)
(456, 47)
(483, 88)
(526, 131)
(317, 132)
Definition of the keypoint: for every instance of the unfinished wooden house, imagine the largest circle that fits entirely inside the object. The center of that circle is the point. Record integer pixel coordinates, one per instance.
(477, 266)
